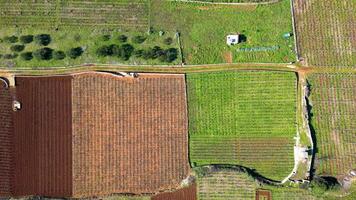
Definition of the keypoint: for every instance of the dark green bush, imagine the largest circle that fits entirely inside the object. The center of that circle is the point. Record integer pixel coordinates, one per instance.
(169, 55)
(122, 38)
(26, 56)
(43, 39)
(11, 39)
(17, 47)
(104, 50)
(0, 55)
(168, 41)
(125, 51)
(139, 53)
(59, 55)
(25, 39)
(43, 54)
(138, 39)
(10, 56)
(75, 52)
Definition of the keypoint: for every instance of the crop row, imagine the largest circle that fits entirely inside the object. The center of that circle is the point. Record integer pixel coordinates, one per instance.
(333, 99)
(325, 31)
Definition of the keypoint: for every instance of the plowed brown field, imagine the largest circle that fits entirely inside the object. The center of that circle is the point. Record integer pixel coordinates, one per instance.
(129, 135)
(6, 127)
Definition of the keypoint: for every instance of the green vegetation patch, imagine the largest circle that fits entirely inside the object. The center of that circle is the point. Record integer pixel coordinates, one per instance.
(243, 118)
(204, 28)
(333, 108)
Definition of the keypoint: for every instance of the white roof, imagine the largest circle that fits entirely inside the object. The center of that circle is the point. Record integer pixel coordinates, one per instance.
(232, 39)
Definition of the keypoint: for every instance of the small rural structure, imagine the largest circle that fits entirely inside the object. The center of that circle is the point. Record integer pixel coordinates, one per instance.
(232, 39)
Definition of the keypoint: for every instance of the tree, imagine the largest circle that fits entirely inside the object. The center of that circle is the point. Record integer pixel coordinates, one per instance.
(59, 55)
(168, 41)
(25, 39)
(43, 54)
(138, 39)
(104, 50)
(139, 53)
(26, 56)
(17, 47)
(122, 38)
(10, 56)
(169, 55)
(126, 51)
(43, 39)
(11, 39)
(75, 52)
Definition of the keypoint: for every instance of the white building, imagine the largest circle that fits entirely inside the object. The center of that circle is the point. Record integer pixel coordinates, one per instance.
(232, 39)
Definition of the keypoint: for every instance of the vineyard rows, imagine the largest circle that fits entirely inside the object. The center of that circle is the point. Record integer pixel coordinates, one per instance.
(226, 185)
(243, 118)
(120, 14)
(333, 98)
(326, 32)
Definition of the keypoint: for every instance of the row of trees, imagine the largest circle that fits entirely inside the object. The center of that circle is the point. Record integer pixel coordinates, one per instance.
(40, 39)
(46, 54)
(125, 51)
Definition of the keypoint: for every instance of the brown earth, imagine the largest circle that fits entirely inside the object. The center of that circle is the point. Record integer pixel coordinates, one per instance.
(188, 193)
(6, 147)
(227, 56)
(129, 135)
(263, 195)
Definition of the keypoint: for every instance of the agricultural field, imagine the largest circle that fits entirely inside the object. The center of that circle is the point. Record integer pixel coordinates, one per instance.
(61, 14)
(237, 1)
(203, 35)
(333, 108)
(243, 118)
(105, 32)
(326, 32)
(226, 185)
(186, 193)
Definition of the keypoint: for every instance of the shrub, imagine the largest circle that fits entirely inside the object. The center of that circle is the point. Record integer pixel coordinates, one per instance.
(59, 55)
(138, 39)
(43, 39)
(17, 47)
(322, 184)
(168, 41)
(122, 38)
(126, 51)
(25, 39)
(0, 55)
(26, 56)
(43, 54)
(104, 51)
(75, 52)
(105, 37)
(10, 56)
(11, 39)
(139, 53)
(169, 55)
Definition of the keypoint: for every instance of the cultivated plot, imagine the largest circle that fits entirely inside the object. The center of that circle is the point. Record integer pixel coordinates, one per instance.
(326, 32)
(243, 118)
(204, 27)
(333, 108)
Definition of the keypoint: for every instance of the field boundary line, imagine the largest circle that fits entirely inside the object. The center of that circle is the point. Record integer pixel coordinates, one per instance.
(226, 3)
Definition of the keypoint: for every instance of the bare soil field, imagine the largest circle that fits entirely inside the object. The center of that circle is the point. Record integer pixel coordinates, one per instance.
(129, 134)
(326, 32)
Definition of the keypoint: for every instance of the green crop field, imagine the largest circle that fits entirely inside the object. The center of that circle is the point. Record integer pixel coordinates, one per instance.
(243, 118)
(333, 101)
(326, 32)
(235, 1)
(204, 28)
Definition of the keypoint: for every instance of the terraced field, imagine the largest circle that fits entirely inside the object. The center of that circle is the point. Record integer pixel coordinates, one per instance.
(333, 100)
(126, 14)
(243, 118)
(326, 32)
